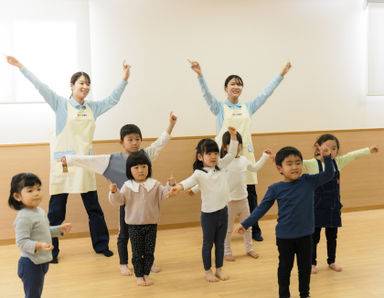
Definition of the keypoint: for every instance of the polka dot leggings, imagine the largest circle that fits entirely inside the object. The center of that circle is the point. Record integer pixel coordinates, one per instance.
(143, 241)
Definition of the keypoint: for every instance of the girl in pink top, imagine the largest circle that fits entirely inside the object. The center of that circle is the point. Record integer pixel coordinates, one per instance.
(141, 196)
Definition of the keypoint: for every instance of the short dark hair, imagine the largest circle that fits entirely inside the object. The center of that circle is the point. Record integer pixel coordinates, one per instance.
(204, 146)
(284, 152)
(137, 158)
(226, 139)
(18, 182)
(128, 129)
(237, 79)
(323, 138)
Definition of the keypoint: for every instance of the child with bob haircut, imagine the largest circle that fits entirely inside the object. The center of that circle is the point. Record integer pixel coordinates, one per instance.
(113, 167)
(33, 233)
(327, 196)
(210, 178)
(141, 196)
(295, 222)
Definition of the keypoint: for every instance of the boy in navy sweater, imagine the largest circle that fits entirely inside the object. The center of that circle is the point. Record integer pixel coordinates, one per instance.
(295, 222)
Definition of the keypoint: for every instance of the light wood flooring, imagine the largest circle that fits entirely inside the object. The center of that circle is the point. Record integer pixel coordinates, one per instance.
(82, 273)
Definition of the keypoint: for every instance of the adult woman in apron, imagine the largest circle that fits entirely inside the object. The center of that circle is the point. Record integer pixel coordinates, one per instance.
(75, 126)
(233, 113)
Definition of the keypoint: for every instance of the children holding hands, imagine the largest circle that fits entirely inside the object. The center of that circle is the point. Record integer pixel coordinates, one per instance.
(141, 196)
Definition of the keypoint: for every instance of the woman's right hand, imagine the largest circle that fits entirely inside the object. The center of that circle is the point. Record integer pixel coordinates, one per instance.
(195, 66)
(13, 61)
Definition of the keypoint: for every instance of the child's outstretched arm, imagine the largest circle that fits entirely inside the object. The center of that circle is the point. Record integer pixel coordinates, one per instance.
(154, 149)
(94, 163)
(260, 163)
(344, 160)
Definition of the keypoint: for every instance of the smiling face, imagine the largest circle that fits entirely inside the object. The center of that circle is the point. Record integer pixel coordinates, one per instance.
(30, 196)
(291, 168)
(234, 89)
(140, 172)
(80, 89)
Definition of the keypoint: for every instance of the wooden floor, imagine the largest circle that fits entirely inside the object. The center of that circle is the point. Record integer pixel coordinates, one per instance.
(82, 273)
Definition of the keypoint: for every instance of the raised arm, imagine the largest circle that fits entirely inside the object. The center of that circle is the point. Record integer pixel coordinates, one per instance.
(101, 106)
(55, 101)
(232, 152)
(215, 106)
(154, 149)
(260, 163)
(260, 99)
(342, 161)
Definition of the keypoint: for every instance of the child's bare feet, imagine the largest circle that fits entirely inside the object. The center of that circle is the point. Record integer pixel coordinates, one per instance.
(334, 267)
(155, 268)
(147, 280)
(314, 269)
(253, 254)
(124, 270)
(229, 258)
(210, 277)
(140, 281)
(220, 274)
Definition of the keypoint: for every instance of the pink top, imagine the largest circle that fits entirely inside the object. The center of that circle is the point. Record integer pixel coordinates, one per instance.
(141, 200)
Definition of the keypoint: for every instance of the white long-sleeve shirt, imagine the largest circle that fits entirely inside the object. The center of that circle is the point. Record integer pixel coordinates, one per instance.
(213, 183)
(235, 173)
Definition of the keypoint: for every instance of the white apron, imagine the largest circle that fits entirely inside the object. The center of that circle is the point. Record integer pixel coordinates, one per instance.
(241, 120)
(76, 138)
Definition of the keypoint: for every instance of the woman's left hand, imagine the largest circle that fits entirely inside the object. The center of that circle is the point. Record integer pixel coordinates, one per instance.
(286, 68)
(127, 70)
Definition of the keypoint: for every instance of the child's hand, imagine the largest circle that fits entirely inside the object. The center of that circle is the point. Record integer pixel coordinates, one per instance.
(112, 186)
(268, 151)
(196, 68)
(65, 228)
(323, 150)
(63, 160)
(171, 180)
(273, 157)
(239, 229)
(374, 149)
(43, 246)
(174, 190)
(126, 70)
(190, 192)
(232, 132)
(172, 119)
(286, 68)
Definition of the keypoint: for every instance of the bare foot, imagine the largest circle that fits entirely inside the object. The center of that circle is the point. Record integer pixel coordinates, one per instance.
(314, 270)
(148, 281)
(210, 277)
(220, 274)
(334, 267)
(229, 258)
(155, 268)
(124, 270)
(140, 281)
(253, 254)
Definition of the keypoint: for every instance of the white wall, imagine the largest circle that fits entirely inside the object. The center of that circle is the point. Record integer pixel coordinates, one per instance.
(325, 40)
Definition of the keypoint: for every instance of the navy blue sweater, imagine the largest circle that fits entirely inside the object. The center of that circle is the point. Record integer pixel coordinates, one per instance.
(295, 202)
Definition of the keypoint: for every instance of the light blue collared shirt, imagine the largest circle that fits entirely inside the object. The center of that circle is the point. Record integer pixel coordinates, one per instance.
(59, 103)
(217, 107)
